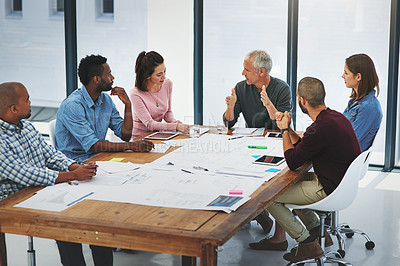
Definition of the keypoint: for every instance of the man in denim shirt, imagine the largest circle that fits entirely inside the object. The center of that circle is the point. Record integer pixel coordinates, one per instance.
(82, 123)
(85, 116)
(363, 110)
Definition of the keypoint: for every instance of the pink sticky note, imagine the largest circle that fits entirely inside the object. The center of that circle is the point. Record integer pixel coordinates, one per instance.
(235, 192)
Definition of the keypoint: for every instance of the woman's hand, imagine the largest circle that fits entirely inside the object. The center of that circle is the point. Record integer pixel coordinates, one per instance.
(182, 128)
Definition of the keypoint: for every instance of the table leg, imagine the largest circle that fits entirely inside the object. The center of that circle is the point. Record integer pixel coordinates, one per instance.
(188, 261)
(3, 250)
(208, 255)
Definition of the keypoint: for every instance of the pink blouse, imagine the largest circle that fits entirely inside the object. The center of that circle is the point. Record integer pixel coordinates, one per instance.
(146, 115)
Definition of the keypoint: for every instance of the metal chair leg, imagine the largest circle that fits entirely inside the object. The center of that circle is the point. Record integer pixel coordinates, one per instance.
(334, 229)
(329, 257)
(31, 252)
(344, 228)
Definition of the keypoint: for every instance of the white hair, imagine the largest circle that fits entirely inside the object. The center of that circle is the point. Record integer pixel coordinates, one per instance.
(260, 60)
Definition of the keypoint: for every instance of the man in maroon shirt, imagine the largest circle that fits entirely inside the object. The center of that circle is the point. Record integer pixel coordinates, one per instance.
(331, 144)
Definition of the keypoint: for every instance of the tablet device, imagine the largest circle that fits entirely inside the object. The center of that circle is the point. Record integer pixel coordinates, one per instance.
(269, 160)
(274, 135)
(162, 135)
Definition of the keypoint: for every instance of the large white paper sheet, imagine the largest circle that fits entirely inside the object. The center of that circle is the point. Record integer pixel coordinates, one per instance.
(199, 175)
(56, 198)
(178, 189)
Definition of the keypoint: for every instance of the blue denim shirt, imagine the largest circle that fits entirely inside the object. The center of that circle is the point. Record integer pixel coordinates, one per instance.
(366, 116)
(81, 123)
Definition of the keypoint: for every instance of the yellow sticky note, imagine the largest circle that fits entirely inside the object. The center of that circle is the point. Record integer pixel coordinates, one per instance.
(117, 159)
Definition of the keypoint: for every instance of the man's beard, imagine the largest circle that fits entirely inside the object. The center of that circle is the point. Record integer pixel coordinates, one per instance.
(303, 109)
(104, 86)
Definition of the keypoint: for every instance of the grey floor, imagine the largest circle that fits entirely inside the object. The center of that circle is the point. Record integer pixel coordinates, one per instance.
(375, 210)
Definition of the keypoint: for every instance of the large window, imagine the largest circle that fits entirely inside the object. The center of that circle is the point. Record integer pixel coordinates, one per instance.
(141, 25)
(32, 46)
(32, 52)
(119, 39)
(232, 28)
(331, 32)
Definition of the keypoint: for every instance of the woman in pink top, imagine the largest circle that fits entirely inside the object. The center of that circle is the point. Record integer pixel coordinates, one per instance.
(151, 97)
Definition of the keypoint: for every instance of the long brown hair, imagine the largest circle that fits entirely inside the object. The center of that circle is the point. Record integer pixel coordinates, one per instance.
(363, 64)
(144, 68)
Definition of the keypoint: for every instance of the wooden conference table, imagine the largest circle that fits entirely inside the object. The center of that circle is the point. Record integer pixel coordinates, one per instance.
(190, 233)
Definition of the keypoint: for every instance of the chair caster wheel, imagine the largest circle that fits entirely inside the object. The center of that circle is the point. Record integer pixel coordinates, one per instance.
(349, 235)
(370, 245)
(342, 253)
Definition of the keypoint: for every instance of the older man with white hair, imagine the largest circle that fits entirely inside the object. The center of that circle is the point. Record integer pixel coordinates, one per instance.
(259, 96)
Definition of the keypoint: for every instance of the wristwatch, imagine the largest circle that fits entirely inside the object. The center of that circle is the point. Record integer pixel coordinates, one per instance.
(283, 130)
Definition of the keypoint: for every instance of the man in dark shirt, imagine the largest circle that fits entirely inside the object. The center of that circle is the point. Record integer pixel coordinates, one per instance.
(258, 97)
(331, 144)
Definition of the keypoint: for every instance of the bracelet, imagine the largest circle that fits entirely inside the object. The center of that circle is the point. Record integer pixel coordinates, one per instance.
(283, 130)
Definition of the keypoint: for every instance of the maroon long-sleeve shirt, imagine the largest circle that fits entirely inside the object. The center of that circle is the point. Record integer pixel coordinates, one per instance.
(331, 144)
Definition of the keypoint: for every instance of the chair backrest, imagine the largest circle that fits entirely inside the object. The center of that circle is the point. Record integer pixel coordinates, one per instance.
(52, 132)
(371, 149)
(365, 169)
(346, 192)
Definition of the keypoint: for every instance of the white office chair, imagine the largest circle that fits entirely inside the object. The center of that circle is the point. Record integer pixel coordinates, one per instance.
(52, 132)
(344, 228)
(339, 199)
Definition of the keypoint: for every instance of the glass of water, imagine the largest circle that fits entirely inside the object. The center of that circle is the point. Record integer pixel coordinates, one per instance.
(194, 131)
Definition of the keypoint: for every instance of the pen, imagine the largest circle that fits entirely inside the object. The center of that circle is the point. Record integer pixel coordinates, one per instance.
(73, 183)
(238, 137)
(186, 171)
(200, 168)
(257, 147)
(81, 198)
